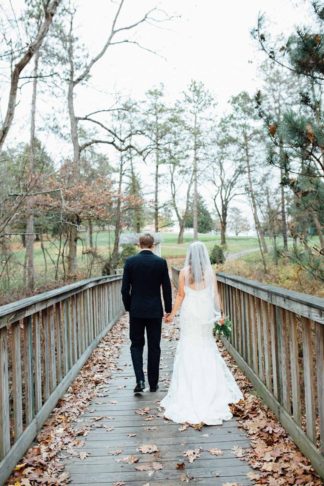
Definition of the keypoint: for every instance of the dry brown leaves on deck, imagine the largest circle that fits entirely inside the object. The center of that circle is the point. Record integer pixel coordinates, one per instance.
(273, 455)
(41, 463)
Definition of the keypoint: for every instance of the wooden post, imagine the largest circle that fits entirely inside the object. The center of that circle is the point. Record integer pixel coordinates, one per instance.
(319, 335)
(28, 378)
(294, 366)
(17, 381)
(4, 395)
(308, 354)
(38, 363)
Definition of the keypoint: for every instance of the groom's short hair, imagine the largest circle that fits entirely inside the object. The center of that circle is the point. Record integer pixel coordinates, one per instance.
(146, 241)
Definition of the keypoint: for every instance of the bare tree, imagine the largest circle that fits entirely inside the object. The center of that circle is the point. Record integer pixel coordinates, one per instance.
(114, 37)
(30, 271)
(196, 100)
(225, 173)
(49, 10)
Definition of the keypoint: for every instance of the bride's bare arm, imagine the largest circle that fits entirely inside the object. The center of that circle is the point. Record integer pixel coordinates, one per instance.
(219, 302)
(217, 296)
(179, 298)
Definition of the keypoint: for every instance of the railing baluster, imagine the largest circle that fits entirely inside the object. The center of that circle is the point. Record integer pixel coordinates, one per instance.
(259, 339)
(254, 334)
(266, 343)
(319, 335)
(294, 366)
(38, 363)
(58, 339)
(274, 350)
(51, 356)
(46, 355)
(4, 394)
(28, 378)
(17, 381)
(308, 355)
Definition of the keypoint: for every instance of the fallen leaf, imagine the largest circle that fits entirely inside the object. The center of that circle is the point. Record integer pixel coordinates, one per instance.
(183, 427)
(129, 459)
(142, 411)
(253, 475)
(185, 478)
(197, 426)
(216, 452)
(116, 452)
(192, 454)
(131, 435)
(148, 448)
(180, 465)
(83, 455)
(238, 451)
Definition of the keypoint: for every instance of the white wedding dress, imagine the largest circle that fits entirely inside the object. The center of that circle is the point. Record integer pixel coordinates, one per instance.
(202, 386)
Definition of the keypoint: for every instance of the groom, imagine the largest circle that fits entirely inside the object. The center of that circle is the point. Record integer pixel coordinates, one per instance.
(144, 274)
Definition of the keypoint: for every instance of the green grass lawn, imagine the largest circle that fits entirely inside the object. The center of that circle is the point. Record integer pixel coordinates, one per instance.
(104, 241)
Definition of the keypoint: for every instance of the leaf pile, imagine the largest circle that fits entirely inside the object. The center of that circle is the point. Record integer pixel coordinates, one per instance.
(42, 463)
(273, 455)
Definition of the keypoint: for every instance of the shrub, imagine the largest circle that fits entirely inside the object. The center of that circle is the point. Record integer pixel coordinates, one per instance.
(127, 251)
(217, 255)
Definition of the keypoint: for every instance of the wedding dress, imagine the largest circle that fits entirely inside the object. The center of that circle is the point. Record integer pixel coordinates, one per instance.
(202, 386)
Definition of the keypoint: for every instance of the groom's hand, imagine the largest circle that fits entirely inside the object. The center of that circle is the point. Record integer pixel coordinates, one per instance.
(167, 317)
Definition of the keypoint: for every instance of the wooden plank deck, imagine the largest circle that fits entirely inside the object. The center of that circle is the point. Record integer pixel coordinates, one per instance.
(119, 431)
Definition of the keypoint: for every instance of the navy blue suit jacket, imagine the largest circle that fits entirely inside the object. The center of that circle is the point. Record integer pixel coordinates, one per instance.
(144, 274)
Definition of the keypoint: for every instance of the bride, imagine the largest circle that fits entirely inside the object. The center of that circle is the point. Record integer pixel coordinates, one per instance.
(201, 386)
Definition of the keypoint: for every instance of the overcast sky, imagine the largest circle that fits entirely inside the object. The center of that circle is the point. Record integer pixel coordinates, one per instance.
(209, 40)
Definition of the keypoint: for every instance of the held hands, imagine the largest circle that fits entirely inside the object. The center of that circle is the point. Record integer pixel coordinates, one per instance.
(168, 318)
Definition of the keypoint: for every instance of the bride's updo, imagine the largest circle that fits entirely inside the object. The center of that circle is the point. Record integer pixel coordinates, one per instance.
(198, 269)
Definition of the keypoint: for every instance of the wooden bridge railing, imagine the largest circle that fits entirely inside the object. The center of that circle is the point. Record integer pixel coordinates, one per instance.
(278, 342)
(44, 341)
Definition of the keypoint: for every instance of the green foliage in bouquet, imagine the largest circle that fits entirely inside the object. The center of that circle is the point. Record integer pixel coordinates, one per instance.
(225, 329)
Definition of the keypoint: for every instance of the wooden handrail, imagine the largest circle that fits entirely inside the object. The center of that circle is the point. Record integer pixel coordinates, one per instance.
(44, 342)
(278, 342)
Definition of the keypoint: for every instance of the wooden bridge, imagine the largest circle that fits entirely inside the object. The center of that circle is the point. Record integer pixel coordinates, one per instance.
(277, 340)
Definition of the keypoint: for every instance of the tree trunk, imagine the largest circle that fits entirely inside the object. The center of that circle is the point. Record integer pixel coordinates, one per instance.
(118, 223)
(283, 206)
(181, 233)
(30, 236)
(73, 232)
(72, 248)
(156, 178)
(258, 227)
(319, 229)
(271, 229)
(90, 233)
(223, 233)
(195, 183)
(156, 195)
(31, 50)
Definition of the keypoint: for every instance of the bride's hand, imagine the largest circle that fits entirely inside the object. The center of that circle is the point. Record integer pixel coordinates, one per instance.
(221, 321)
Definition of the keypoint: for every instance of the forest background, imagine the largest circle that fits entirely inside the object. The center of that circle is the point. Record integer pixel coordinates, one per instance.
(79, 169)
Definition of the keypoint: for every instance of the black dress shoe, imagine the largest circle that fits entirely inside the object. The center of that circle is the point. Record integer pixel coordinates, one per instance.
(154, 388)
(139, 387)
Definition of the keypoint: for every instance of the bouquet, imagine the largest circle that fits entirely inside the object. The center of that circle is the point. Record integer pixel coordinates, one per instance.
(223, 329)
